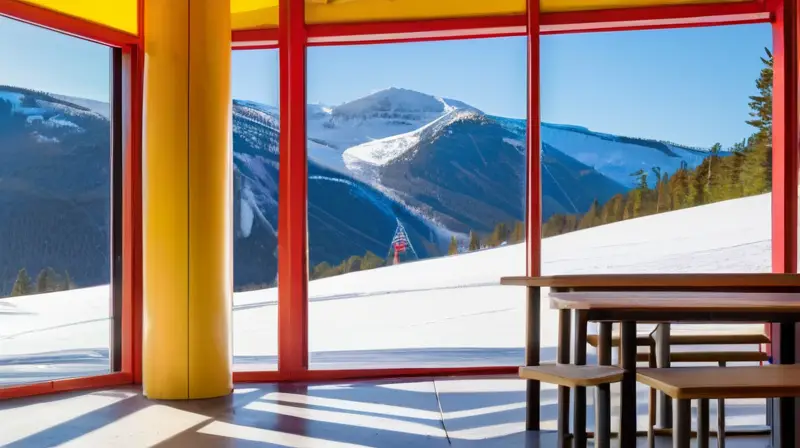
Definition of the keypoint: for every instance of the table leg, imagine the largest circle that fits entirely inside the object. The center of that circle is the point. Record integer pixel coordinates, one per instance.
(564, 327)
(682, 434)
(627, 431)
(602, 403)
(579, 403)
(703, 438)
(532, 346)
(786, 429)
(664, 407)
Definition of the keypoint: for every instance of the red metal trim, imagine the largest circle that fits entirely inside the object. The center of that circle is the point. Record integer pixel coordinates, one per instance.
(84, 29)
(47, 387)
(263, 45)
(132, 213)
(128, 142)
(133, 169)
(140, 22)
(338, 375)
(266, 39)
(292, 194)
(676, 16)
(699, 22)
(533, 221)
(267, 34)
(415, 31)
(785, 144)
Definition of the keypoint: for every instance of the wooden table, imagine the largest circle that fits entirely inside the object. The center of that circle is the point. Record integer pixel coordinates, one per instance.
(661, 298)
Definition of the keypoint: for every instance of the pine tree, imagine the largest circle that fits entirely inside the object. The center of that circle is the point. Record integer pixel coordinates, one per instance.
(322, 270)
(474, 241)
(757, 169)
(22, 286)
(664, 202)
(371, 261)
(499, 235)
(42, 281)
(591, 217)
(453, 249)
(67, 282)
(518, 235)
(761, 104)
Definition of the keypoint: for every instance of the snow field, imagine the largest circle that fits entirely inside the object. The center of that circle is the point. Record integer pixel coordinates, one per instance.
(452, 302)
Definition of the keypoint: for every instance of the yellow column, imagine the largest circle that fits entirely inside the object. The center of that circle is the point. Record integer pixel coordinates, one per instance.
(187, 183)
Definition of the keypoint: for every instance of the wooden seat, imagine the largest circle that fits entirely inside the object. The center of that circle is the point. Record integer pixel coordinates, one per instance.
(717, 357)
(645, 340)
(578, 377)
(718, 339)
(688, 383)
(569, 375)
(703, 383)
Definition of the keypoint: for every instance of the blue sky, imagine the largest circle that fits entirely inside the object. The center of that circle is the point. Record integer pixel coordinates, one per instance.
(686, 85)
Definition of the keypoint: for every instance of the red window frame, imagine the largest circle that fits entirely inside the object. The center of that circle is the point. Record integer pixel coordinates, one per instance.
(292, 41)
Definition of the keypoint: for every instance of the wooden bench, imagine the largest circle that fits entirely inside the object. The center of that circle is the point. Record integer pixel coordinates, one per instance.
(721, 358)
(574, 376)
(703, 383)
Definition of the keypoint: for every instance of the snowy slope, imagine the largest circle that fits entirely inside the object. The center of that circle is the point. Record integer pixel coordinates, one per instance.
(98, 107)
(445, 310)
(381, 152)
(617, 157)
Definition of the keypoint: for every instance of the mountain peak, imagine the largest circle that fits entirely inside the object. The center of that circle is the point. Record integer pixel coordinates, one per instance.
(396, 101)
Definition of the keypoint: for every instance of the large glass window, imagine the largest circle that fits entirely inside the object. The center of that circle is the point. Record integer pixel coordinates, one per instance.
(55, 205)
(667, 135)
(416, 202)
(656, 158)
(255, 176)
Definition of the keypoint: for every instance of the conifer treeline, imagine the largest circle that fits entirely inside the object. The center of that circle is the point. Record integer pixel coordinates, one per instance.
(352, 264)
(745, 171)
(48, 280)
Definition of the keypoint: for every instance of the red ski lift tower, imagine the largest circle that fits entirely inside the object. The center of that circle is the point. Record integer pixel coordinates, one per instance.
(401, 244)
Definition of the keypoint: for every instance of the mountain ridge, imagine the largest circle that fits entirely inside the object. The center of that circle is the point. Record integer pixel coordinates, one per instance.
(457, 170)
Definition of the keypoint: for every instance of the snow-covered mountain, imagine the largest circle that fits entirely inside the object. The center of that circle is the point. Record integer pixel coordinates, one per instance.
(346, 216)
(380, 115)
(376, 129)
(439, 166)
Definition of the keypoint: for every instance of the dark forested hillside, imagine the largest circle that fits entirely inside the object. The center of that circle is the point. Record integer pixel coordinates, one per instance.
(54, 191)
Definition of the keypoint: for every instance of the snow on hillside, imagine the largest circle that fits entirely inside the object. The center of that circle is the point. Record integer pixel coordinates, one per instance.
(98, 107)
(616, 157)
(383, 151)
(449, 310)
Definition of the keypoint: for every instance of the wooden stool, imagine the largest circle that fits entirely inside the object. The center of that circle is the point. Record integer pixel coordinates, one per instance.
(703, 383)
(573, 376)
(721, 358)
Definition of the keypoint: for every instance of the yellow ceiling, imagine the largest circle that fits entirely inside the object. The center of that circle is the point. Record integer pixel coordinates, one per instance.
(119, 14)
(250, 14)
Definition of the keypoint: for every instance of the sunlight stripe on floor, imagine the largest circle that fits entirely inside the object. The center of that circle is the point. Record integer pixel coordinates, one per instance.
(22, 422)
(231, 431)
(146, 427)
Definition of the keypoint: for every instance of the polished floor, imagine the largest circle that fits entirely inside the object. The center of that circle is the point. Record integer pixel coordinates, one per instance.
(442, 412)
